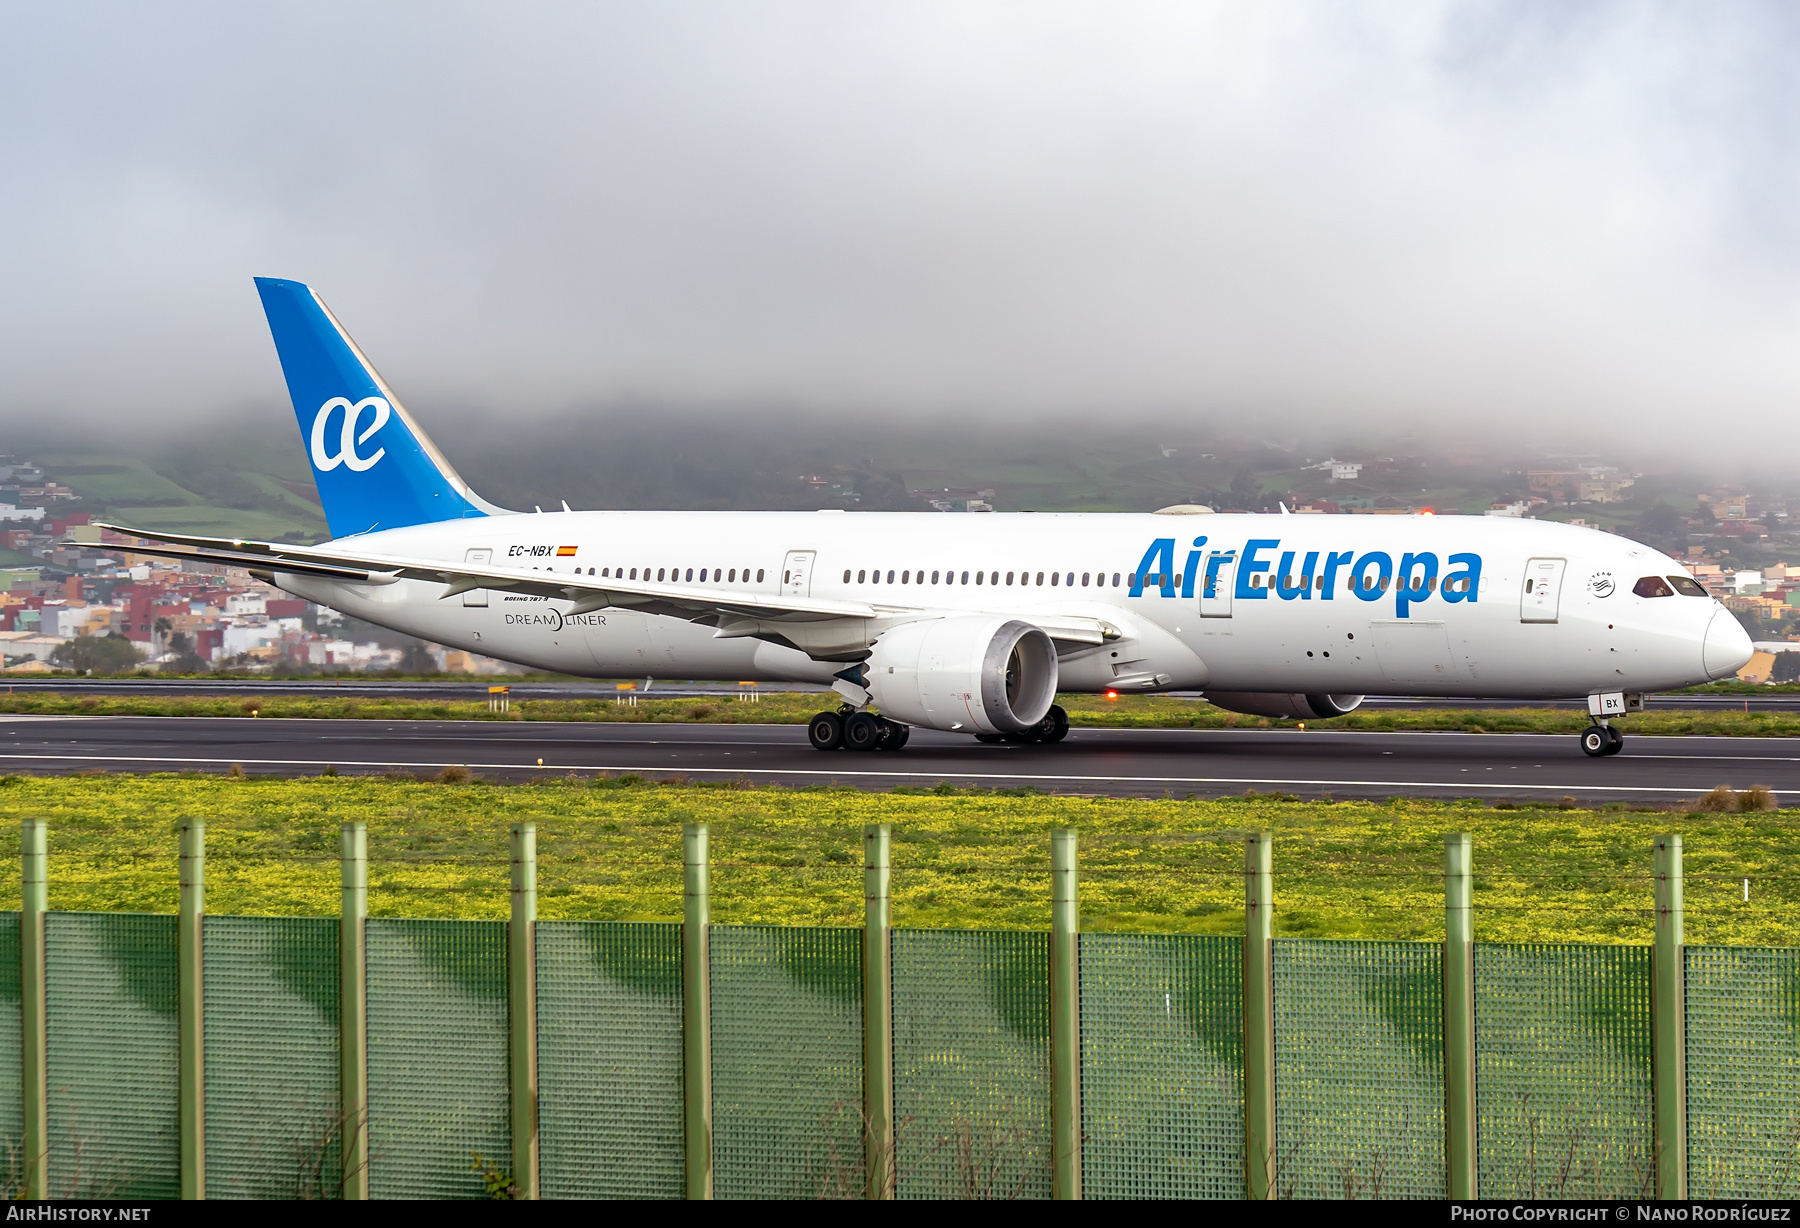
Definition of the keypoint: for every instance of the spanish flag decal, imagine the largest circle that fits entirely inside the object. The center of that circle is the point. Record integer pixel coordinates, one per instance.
(564, 552)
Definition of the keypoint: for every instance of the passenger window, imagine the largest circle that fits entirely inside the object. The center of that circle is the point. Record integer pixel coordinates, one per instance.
(1084, 578)
(1054, 577)
(906, 577)
(965, 578)
(690, 575)
(846, 575)
(978, 576)
(1652, 586)
(1687, 587)
(862, 577)
(1133, 578)
(934, 577)
(759, 575)
(703, 575)
(634, 573)
(1040, 578)
(732, 578)
(1009, 577)
(890, 577)
(1115, 582)
(659, 573)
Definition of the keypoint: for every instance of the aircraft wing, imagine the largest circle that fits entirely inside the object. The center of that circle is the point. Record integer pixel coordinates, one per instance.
(589, 593)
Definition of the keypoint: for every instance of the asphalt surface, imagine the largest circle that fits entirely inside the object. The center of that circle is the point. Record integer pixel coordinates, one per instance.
(1147, 762)
(476, 688)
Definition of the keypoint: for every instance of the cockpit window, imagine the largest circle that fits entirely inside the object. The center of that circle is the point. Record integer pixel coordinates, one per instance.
(1687, 587)
(1652, 586)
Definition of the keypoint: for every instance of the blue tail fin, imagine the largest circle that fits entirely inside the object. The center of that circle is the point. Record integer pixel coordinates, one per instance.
(374, 467)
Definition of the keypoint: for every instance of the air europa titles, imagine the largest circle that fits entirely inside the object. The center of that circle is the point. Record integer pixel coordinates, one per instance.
(1264, 568)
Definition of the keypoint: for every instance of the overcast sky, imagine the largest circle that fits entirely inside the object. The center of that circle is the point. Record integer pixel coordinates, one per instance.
(1446, 215)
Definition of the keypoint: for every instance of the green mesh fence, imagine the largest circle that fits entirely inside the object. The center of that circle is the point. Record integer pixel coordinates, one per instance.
(113, 1056)
(12, 1127)
(437, 1056)
(1743, 1051)
(609, 1060)
(1162, 1079)
(1562, 1071)
(273, 1123)
(787, 1062)
(1359, 1069)
(972, 1063)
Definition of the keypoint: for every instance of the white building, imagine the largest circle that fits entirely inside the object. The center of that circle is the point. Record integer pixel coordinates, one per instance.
(245, 636)
(28, 644)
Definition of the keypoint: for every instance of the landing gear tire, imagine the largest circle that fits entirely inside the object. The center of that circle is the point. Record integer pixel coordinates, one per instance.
(825, 731)
(1615, 741)
(893, 735)
(1597, 740)
(1055, 725)
(990, 737)
(863, 731)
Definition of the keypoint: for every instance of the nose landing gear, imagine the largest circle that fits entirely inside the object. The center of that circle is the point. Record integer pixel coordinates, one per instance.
(1600, 740)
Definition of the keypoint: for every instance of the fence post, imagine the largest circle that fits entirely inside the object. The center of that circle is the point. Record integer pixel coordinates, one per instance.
(353, 1008)
(1065, 1016)
(696, 1013)
(878, 1014)
(1668, 1026)
(521, 965)
(1259, 1017)
(191, 1013)
(34, 876)
(1459, 1017)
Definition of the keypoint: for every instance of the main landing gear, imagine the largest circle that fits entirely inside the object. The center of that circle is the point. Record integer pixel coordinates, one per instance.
(848, 729)
(1598, 740)
(1053, 728)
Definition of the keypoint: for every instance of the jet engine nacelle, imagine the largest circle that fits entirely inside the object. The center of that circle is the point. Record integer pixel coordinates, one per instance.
(977, 674)
(1290, 707)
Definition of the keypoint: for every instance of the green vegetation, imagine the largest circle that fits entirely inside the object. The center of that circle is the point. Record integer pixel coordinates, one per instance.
(962, 857)
(795, 707)
(236, 485)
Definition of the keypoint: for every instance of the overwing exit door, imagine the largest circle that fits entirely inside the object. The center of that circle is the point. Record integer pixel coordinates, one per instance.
(796, 573)
(1216, 584)
(477, 596)
(1542, 591)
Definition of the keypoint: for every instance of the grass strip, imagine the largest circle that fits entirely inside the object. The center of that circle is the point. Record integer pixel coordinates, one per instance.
(611, 850)
(794, 708)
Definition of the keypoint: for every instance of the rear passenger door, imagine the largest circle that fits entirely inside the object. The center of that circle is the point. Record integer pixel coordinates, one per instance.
(1541, 593)
(477, 596)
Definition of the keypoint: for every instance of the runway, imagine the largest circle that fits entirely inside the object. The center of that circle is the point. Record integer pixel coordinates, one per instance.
(476, 688)
(1149, 762)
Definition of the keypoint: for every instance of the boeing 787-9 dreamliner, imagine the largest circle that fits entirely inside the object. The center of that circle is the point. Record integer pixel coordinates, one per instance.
(970, 624)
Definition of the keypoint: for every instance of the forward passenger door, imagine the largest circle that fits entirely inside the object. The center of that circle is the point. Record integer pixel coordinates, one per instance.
(1541, 593)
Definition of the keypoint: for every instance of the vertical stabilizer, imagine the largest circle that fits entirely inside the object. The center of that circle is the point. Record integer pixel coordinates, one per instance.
(374, 467)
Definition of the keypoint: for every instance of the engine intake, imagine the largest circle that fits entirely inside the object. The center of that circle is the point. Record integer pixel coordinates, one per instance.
(976, 674)
(1289, 707)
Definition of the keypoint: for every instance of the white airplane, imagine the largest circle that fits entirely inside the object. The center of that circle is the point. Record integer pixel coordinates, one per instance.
(969, 623)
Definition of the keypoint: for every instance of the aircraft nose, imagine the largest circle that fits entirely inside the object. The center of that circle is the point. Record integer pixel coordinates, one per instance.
(1727, 648)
